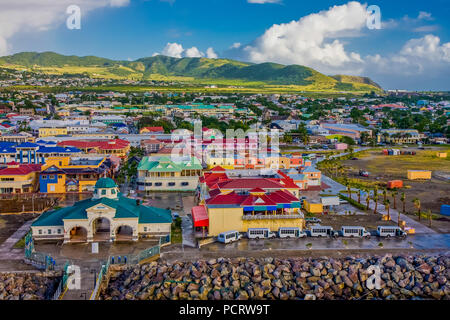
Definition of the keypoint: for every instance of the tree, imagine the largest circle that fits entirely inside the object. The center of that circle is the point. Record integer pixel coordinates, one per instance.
(394, 197)
(349, 191)
(385, 194)
(375, 198)
(367, 199)
(359, 196)
(417, 205)
(403, 200)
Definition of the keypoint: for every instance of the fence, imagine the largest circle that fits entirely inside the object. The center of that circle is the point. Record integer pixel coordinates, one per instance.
(98, 282)
(62, 284)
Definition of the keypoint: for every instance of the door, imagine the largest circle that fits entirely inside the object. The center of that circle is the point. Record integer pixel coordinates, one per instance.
(266, 234)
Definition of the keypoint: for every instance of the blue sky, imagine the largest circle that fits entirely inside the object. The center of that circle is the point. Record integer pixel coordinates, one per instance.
(411, 51)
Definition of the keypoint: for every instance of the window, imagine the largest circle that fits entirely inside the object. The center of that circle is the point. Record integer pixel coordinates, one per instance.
(51, 177)
(113, 191)
(145, 229)
(171, 184)
(40, 231)
(44, 177)
(59, 231)
(103, 192)
(158, 184)
(185, 184)
(49, 231)
(59, 177)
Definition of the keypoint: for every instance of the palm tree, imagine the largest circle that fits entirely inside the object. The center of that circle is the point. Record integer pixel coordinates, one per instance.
(349, 191)
(387, 206)
(417, 205)
(394, 196)
(375, 198)
(385, 194)
(403, 200)
(367, 199)
(359, 195)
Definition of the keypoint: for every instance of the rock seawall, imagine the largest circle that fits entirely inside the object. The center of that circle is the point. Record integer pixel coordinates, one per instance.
(401, 277)
(28, 286)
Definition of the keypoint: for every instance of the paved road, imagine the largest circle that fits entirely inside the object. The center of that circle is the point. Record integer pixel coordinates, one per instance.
(7, 251)
(423, 242)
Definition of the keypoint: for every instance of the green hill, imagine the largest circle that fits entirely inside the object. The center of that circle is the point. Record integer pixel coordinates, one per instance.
(193, 70)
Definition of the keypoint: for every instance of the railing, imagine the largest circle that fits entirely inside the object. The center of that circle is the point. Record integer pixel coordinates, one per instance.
(98, 282)
(272, 217)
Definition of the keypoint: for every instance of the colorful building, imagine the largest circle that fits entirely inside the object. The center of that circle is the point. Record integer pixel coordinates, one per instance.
(65, 174)
(107, 216)
(164, 173)
(115, 147)
(19, 178)
(52, 132)
(243, 210)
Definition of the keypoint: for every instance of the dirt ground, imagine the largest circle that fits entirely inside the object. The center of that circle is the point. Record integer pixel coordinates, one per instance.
(432, 194)
(10, 223)
(369, 220)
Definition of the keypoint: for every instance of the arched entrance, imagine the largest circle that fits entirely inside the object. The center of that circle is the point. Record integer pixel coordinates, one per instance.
(101, 229)
(124, 233)
(78, 234)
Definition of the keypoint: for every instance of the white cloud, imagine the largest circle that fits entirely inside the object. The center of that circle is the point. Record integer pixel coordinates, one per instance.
(173, 49)
(313, 40)
(193, 53)
(235, 45)
(421, 63)
(210, 53)
(263, 1)
(423, 15)
(176, 50)
(41, 15)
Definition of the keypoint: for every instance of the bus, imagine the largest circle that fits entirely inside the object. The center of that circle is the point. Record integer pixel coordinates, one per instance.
(229, 236)
(355, 232)
(260, 233)
(390, 231)
(322, 231)
(291, 233)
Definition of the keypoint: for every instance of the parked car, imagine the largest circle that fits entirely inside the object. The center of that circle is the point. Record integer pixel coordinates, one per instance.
(313, 220)
(229, 236)
(175, 215)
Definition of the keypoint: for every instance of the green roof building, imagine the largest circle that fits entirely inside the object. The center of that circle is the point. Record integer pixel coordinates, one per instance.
(107, 216)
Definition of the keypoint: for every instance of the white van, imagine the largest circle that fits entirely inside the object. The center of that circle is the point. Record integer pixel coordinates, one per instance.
(291, 233)
(229, 236)
(260, 233)
(355, 232)
(322, 231)
(390, 231)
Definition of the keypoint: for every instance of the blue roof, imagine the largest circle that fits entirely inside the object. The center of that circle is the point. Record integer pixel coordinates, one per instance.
(27, 145)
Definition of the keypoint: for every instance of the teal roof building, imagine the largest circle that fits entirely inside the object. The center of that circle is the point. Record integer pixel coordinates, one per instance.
(107, 216)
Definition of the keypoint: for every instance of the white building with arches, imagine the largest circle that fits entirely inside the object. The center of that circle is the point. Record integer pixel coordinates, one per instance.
(107, 216)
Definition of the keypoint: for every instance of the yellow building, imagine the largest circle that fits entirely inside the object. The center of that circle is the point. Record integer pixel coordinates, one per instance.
(313, 207)
(65, 174)
(19, 178)
(234, 211)
(51, 132)
(419, 175)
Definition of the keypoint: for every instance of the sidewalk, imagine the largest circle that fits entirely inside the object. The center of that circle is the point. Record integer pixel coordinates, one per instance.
(7, 250)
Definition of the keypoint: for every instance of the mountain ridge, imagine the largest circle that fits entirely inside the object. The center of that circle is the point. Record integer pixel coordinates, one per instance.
(199, 70)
